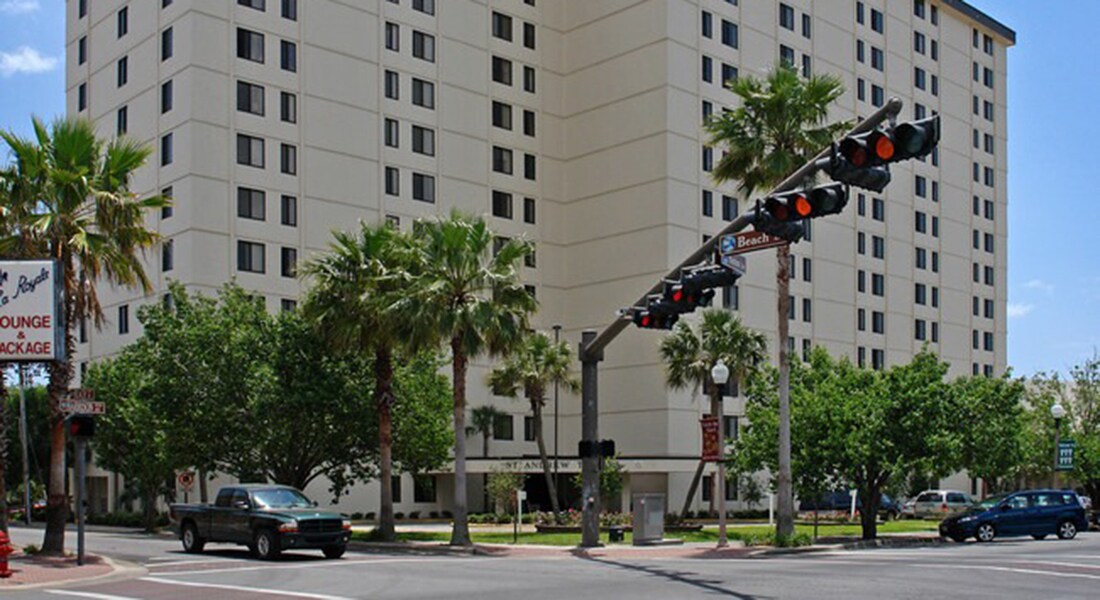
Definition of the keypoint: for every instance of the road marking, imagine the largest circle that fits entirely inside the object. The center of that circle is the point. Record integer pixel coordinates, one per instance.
(1058, 564)
(1010, 570)
(313, 565)
(243, 588)
(155, 565)
(91, 595)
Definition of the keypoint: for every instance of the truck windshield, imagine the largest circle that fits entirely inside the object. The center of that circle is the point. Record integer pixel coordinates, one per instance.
(281, 498)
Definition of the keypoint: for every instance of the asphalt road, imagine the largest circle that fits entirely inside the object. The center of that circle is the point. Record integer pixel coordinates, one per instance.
(1014, 568)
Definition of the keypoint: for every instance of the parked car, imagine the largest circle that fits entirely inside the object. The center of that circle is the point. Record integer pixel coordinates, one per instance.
(941, 503)
(908, 508)
(841, 501)
(1037, 513)
(266, 518)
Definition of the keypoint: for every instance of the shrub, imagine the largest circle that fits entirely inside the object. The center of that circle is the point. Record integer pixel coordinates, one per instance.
(414, 514)
(31, 549)
(398, 516)
(356, 516)
(769, 539)
(433, 514)
(369, 516)
(448, 514)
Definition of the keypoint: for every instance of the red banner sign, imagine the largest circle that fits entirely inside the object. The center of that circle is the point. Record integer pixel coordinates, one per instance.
(711, 439)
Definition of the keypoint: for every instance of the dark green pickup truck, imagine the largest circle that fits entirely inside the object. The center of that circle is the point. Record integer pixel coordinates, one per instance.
(266, 518)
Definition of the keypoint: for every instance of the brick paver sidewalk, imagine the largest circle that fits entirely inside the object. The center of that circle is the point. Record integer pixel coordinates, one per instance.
(32, 571)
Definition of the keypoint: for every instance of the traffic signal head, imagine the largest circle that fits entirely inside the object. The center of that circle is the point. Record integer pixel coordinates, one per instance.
(647, 319)
(807, 204)
(81, 426)
(916, 139)
(869, 149)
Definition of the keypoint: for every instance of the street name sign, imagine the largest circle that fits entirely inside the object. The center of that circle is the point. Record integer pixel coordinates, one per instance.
(82, 402)
(30, 311)
(747, 241)
(735, 262)
(1066, 449)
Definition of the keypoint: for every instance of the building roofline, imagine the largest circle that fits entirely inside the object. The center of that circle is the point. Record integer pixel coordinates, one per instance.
(967, 9)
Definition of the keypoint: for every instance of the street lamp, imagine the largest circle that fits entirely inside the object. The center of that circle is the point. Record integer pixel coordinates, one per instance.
(1058, 412)
(720, 374)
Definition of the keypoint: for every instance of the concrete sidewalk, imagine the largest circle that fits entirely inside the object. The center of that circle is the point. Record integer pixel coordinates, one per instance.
(29, 572)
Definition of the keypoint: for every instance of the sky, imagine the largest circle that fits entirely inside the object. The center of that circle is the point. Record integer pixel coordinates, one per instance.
(1053, 85)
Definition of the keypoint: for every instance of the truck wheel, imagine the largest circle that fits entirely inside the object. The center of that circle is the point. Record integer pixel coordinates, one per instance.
(334, 551)
(192, 543)
(266, 545)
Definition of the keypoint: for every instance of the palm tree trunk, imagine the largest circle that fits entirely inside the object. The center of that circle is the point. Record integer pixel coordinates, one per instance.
(57, 505)
(5, 449)
(485, 436)
(383, 398)
(460, 534)
(536, 408)
(691, 489)
(785, 503)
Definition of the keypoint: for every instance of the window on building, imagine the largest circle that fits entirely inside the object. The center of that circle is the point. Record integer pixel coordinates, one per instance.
(393, 37)
(529, 122)
(878, 59)
(288, 305)
(861, 319)
(987, 306)
(502, 26)
(288, 56)
(391, 133)
(288, 209)
(729, 33)
(920, 294)
(502, 160)
(426, 7)
(423, 140)
(860, 52)
(806, 25)
(290, 9)
(166, 44)
(81, 9)
(786, 17)
(423, 93)
(878, 284)
(918, 78)
(878, 359)
(529, 36)
(502, 115)
(878, 322)
(393, 181)
(250, 151)
(250, 98)
(878, 209)
(859, 13)
(250, 45)
(121, 120)
(82, 50)
(424, 489)
(987, 242)
(878, 96)
(729, 74)
(251, 203)
(529, 166)
(707, 68)
(920, 331)
(167, 258)
(124, 319)
(921, 222)
(529, 79)
(786, 55)
(288, 159)
(731, 297)
(123, 20)
(878, 23)
(166, 149)
(918, 42)
(807, 270)
(250, 257)
(502, 427)
(424, 46)
(921, 258)
(807, 310)
(122, 71)
(288, 262)
(502, 70)
(502, 204)
(708, 203)
(529, 210)
(423, 187)
(392, 85)
(288, 107)
(166, 211)
(708, 24)
(256, 4)
(878, 247)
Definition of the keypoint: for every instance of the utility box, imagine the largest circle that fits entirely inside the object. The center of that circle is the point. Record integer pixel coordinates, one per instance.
(649, 519)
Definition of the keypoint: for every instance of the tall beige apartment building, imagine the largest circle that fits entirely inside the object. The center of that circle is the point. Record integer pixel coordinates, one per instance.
(575, 123)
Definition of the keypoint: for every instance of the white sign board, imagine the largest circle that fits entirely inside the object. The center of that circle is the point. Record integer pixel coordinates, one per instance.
(735, 262)
(83, 407)
(30, 313)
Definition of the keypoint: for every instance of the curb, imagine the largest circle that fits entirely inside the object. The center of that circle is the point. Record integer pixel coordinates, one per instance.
(121, 570)
(883, 542)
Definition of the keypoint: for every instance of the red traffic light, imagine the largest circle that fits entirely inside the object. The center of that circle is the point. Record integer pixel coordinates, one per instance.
(81, 426)
(817, 202)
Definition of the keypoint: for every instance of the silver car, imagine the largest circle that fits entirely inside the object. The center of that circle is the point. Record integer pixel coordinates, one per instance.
(940, 504)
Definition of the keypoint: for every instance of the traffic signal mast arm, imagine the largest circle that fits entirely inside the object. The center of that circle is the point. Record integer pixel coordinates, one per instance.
(594, 349)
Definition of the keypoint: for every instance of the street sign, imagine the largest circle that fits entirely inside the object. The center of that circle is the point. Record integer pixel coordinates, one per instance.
(186, 480)
(747, 241)
(735, 262)
(1066, 449)
(711, 438)
(31, 315)
(82, 402)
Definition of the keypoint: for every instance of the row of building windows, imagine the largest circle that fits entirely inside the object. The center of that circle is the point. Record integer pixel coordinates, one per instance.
(503, 206)
(983, 74)
(983, 108)
(729, 206)
(878, 57)
(986, 306)
(289, 7)
(502, 118)
(921, 46)
(984, 337)
(729, 32)
(921, 295)
(251, 258)
(878, 358)
(502, 30)
(983, 274)
(423, 44)
(428, 6)
(787, 20)
(502, 74)
(252, 204)
(986, 40)
(878, 20)
(984, 175)
(423, 185)
(919, 12)
(920, 223)
(729, 72)
(423, 92)
(983, 208)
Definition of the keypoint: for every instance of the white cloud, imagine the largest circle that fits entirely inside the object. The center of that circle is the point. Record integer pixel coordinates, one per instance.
(19, 7)
(1039, 284)
(25, 60)
(1019, 310)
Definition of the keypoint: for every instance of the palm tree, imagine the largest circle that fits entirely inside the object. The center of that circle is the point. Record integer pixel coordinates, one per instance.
(470, 297)
(689, 355)
(779, 126)
(73, 204)
(536, 364)
(352, 303)
(482, 419)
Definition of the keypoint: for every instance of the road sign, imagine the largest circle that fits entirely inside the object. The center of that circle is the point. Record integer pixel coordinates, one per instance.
(747, 241)
(186, 479)
(711, 438)
(82, 402)
(735, 262)
(1066, 449)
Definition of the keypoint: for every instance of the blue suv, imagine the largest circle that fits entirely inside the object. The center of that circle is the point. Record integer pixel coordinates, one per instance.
(1037, 513)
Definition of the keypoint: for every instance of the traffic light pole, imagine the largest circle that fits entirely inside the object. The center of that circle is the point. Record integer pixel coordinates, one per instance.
(80, 442)
(593, 344)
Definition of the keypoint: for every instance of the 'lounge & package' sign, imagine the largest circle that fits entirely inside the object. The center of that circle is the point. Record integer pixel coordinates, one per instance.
(30, 311)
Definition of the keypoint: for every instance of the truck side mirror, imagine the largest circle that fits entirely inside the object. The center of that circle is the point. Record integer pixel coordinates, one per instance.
(242, 505)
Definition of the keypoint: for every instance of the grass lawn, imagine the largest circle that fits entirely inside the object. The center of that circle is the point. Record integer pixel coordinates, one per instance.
(708, 534)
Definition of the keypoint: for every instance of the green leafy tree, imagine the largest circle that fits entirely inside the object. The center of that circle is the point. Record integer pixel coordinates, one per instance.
(69, 196)
(132, 438)
(422, 436)
(536, 364)
(468, 295)
(1085, 426)
(612, 477)
(779, 126)
(689, 355)
(988, 427)
(354, 304)
(502, 486)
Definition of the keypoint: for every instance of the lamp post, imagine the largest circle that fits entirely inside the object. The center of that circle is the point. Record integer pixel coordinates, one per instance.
(720, 374)
(1058, 412)
(557, 337)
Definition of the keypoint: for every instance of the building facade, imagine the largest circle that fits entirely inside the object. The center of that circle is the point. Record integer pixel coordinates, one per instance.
(579, 126)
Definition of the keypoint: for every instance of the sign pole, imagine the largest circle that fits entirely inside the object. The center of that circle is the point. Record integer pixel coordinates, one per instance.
(80, 467)
(23, 442)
